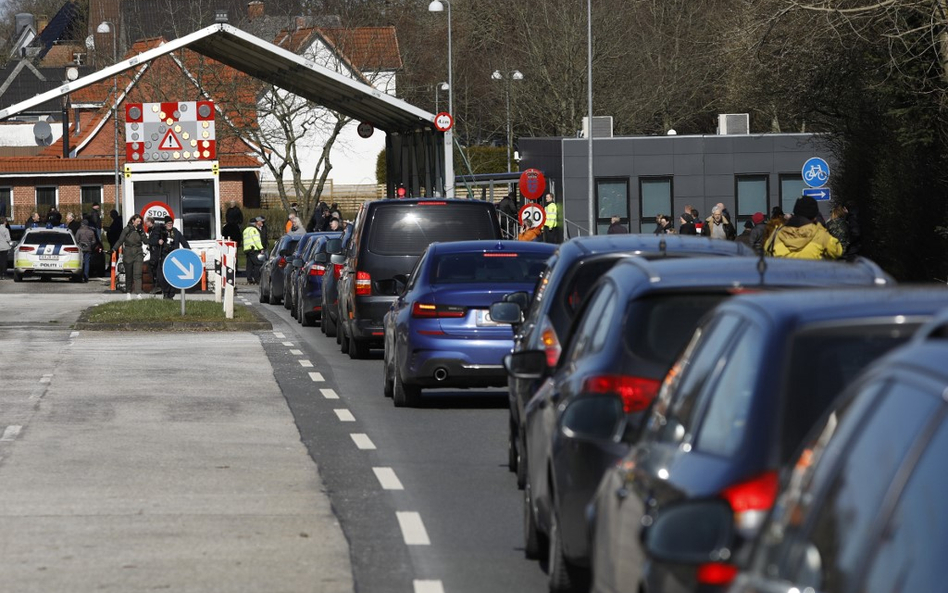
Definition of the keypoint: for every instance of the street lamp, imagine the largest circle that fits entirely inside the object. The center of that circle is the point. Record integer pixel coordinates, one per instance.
(589, 123)
(438, 6)
(441, 86)
(109, 27)
(515, 75)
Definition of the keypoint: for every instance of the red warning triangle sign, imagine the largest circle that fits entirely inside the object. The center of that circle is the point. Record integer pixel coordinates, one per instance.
(170, 142)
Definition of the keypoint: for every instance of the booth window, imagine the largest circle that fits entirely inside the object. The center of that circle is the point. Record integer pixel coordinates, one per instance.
(751, 193)
(197, 210)
(45, 199)
(612, 199)
(656, 199)
(791, 188)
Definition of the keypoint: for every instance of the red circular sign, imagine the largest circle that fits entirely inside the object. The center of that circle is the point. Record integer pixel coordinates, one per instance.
(365, 129)
(532, 184)
(535, 213)
(443, 121)
(157, 210)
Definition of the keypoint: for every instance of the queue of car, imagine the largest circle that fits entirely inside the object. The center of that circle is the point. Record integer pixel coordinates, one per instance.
(681, 410)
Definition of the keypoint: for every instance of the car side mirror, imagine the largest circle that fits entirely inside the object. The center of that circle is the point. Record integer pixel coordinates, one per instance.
(692, 532)
(526, 364)
(334, 246)
(401, 283)
(520, 297)
(298, 262)
(506, 312)
(321, 258)
(338, 259)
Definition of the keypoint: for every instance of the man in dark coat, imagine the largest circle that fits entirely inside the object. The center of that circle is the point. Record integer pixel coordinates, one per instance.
(617, 228)
(234, 220)
(162, 242)
(508, 205)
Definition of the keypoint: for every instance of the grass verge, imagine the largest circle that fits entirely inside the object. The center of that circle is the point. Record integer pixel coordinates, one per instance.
(160, 314)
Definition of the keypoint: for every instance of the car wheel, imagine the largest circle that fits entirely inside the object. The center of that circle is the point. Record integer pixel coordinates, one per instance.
(306, 319)
(358, 349)
(273, 298)
(404, 396)
(329, 326)
(564, 577)
(388, 379)
(322, 321)
(533, 547)
(17, 277)
(343, 340)
(511, 446)
(521, 446)
(263, 297)
(288, 301)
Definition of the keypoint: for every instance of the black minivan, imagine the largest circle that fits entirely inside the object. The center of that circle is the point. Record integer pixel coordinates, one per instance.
(388, 238)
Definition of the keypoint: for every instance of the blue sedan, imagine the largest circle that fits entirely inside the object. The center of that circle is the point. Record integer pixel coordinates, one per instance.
(439, 333)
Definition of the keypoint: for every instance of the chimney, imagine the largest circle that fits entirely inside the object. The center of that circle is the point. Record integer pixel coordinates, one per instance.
(41, 22)
(302, 22)
(254, 10)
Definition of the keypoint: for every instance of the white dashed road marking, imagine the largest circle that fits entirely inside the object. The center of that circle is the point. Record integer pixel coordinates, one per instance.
(287, 343)
(362, 441)
(344, 415)
(428, 587)
(305, 363)
(278, 335)
(11, 432)
(296, 352)
(46, 379)
(329, 393)
(387, 478)
(413, 530)
(316, 377)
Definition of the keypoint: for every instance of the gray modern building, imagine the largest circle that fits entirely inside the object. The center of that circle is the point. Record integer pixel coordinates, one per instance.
(640, 177)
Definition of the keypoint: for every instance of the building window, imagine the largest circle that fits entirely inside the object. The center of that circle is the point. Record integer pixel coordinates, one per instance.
(612, 199)
(45, 199)
(751, 193)
(656, 199)
(791, 188)
(6, 202)
(90, 194)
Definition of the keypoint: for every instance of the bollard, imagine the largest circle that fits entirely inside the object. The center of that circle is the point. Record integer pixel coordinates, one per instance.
(203, 273)
(112, 283)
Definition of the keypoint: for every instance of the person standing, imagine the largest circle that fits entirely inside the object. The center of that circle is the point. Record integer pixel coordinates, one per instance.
(551, 226)
(802, 237)
(6, 242)
(54, 218)
(234, 219)
(687, 224)
(86, 239)
(132, 240)
(529, 232)
(253, 246)
(71, 223)
(718, 227)
(757, 233)
(168, 239)
(115, 228)
(508, 205)
(95, 219)
(617, 228)
(33, 221)
(839, 227)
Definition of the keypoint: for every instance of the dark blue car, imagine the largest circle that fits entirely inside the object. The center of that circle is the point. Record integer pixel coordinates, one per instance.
(309, 280)
(439, 332)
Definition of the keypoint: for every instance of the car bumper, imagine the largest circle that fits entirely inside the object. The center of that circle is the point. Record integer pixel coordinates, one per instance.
(459, 363)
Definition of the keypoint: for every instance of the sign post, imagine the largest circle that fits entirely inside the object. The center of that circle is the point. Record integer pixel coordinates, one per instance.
(229, 271)
(182, 269)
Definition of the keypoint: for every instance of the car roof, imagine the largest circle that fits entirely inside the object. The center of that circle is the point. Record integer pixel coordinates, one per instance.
(55, 229)
(841, 304)
(745, 272)
(582, 246)
(926, 356)
(423, 201)
(492, 245)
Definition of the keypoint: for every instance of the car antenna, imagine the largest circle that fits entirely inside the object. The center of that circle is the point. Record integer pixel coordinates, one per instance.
(662, 246)
(761, 267)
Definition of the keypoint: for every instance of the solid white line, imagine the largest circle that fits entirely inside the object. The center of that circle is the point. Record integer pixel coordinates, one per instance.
(316, 377)
(362, 441)
(428, 587)
(11, 432)
(287, 343)
(296, 352)
(387, 478)
(278, 335)
(307, 364)
(344, 415)
(413, 530)
(329, 393)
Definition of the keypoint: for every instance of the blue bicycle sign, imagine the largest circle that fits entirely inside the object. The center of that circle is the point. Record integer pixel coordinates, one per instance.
(815, 172)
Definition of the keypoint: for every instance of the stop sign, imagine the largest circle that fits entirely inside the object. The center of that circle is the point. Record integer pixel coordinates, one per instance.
(532, 184)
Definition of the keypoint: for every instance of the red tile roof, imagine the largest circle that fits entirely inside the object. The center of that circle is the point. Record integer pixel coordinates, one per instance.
(369, 49)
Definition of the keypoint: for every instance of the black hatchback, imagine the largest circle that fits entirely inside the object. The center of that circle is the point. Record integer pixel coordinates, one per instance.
(756, 377)
(628, 333)
(388, 239)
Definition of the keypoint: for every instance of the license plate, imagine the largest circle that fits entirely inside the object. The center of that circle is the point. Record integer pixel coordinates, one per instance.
(56, 257)
(483, 319)
(48, 265)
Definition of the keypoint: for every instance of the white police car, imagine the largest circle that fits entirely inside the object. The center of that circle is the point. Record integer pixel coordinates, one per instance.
(47, 252)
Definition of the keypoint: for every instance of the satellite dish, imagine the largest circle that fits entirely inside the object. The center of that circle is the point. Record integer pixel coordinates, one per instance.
(90, 42)
(42, 133)
(72, 73)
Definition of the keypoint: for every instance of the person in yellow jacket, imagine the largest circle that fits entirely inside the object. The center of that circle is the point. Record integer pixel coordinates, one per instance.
(551, 231)
(253, 245)
(802, 237)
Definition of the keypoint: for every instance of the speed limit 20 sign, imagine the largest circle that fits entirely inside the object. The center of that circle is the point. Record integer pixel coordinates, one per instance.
(535, 213)
(443, 121)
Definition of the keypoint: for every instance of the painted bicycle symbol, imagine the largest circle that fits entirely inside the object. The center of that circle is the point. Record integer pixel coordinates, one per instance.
(815, 172)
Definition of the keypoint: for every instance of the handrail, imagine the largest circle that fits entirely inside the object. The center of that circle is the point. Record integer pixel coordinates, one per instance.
(568, 222)
(509, 226)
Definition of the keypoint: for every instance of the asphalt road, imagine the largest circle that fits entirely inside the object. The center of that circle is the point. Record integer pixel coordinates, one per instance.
(449, 456)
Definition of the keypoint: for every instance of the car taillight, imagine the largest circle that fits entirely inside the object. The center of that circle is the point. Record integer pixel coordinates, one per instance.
(551, 344)
(716, 573)
(636, 393)
(27, 248)
(71, 249)
(282, 262)
(363, 284)
(317, 271)
(337, 271)
(751, 500)
(443, 311)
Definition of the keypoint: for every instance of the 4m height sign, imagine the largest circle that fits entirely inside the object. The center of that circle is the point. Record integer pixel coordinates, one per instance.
(169, 132)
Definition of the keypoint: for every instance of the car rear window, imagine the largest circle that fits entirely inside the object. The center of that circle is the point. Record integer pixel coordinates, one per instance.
(491, 267)
(825, 360)
(403, 229)
(47, 238)
(658, 327)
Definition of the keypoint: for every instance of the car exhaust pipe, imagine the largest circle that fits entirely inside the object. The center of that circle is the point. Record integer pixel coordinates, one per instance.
(441, 374)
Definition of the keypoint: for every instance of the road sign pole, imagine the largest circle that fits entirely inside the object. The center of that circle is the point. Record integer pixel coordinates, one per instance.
(182, 302)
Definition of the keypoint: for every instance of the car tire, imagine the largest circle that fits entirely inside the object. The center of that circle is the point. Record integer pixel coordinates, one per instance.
(511, 446)
(329, 326)
(263, 298)
(533, 540)
(358, 349)
(288, 301)
(17, 277)
(343, 340)
(273, 298)
(521, 462)
(404, 396)
(388, 379)
(564, 577)
(322, 321)
(305, 319)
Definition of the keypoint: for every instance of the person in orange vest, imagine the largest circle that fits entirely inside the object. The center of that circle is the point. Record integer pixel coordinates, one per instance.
(529, 232)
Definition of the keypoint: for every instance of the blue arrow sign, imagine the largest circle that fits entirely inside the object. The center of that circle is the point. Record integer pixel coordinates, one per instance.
(818, 194)
(182, 268)
(816, 172)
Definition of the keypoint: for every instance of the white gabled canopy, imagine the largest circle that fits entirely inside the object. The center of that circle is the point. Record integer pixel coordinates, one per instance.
(275, 65)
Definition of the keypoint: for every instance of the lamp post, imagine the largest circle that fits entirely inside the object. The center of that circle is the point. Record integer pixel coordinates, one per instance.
(438, 6)
(515, 75)
(589, 127)
(441, 86)
(109, 27)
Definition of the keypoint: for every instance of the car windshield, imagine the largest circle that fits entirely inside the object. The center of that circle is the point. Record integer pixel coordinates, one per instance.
(491, 267)
(658, 327)
(48, 238)
(402, 229)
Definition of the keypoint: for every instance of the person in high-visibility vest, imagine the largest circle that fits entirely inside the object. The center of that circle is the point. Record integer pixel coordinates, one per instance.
(551, 228)
(253, 245)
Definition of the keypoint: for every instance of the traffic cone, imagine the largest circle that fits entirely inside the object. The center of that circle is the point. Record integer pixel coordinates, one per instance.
(203, 273)
(112, 283)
